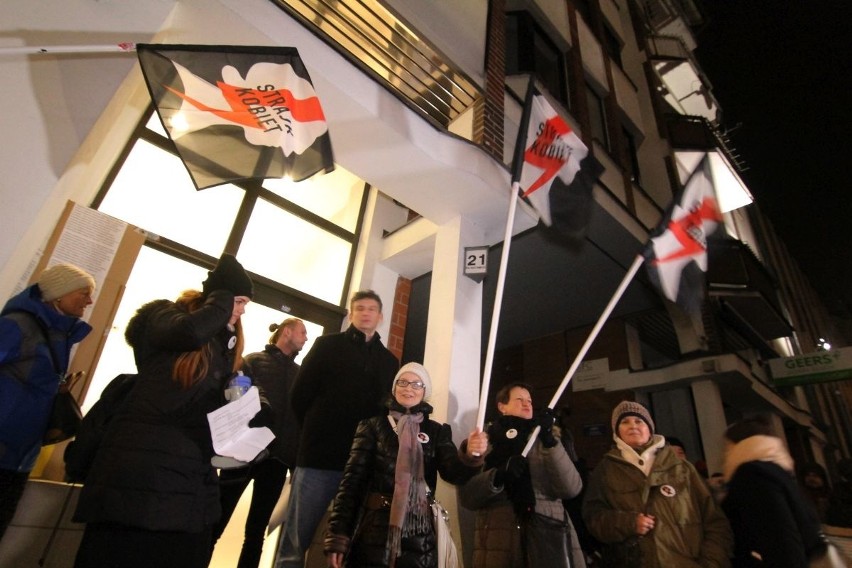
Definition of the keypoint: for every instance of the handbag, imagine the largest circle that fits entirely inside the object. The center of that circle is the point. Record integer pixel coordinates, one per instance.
(448, 556)
(65, 416)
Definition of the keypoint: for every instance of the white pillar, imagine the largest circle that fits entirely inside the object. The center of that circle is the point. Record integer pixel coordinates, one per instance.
(452, 353)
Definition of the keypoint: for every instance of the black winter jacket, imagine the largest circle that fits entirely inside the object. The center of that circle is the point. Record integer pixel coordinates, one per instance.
(770, 516)
(343, 380)
(274, 372)
(371, 469)
(153, 469)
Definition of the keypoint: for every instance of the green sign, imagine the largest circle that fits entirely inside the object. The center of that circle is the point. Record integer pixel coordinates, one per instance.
(819, 367)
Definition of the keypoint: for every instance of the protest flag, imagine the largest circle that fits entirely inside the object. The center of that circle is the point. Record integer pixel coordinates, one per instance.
(554, 169)
(676, 255)
(238, 112)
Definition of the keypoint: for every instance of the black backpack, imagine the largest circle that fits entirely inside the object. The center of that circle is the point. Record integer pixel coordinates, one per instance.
(80, 453)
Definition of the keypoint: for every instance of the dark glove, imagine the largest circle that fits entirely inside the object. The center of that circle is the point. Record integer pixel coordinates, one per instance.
(546, 419)
(264, 417)
(516, 467)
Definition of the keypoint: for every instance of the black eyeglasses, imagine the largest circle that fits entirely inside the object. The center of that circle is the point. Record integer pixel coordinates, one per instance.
(416, 385)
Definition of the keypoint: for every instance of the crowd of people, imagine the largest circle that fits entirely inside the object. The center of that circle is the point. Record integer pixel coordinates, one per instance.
(353, 432)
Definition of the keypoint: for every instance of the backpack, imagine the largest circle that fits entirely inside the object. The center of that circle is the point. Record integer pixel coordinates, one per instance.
(80, 453)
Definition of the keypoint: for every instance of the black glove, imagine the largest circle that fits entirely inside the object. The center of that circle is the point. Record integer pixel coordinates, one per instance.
(264, 417)
(546, 419)
(516, 467)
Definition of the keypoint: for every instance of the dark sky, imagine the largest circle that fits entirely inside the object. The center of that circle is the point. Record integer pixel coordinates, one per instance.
(780, 70)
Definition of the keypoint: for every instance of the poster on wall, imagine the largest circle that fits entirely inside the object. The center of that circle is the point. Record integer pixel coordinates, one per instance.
(106, 248)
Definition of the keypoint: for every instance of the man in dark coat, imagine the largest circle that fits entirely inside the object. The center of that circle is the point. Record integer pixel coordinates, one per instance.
(343, 380)
(273, 370)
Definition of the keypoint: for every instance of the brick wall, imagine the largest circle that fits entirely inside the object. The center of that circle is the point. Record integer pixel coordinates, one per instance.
(495, 79)
(399, 316)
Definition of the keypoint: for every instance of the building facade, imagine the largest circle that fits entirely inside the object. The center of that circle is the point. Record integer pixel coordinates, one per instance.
(423, 102)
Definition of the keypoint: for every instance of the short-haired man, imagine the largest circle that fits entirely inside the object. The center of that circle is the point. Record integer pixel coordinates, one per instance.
(273, 370)
(342, 381)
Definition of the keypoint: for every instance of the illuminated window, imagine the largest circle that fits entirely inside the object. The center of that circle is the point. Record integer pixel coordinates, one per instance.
(296, 239)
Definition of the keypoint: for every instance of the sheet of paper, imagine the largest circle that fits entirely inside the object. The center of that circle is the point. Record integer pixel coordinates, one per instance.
(231, 434)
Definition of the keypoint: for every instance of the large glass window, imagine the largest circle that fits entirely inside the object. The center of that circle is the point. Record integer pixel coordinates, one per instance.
(153, 191)
(159, 275)
(284, 248)
(297, 240)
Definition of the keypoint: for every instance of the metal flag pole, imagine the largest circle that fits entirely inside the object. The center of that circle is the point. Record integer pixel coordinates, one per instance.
(631, 272)
(56, 49)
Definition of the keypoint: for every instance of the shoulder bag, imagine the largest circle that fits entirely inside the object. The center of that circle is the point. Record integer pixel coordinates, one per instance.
(65, 415)
(446, 546)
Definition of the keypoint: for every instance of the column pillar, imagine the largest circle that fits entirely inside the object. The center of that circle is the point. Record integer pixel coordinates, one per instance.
(452, 352)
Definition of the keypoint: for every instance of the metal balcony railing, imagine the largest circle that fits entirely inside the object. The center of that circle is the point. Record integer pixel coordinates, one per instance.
(384, 46)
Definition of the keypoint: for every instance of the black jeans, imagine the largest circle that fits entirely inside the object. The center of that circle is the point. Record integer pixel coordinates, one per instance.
(12, 485)
(269, 476)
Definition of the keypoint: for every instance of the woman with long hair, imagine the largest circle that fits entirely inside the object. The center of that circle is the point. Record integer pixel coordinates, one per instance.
(152, 495)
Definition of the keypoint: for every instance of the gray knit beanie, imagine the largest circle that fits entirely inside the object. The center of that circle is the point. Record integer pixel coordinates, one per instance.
(630, 408)
(61, 279)
(421, 373)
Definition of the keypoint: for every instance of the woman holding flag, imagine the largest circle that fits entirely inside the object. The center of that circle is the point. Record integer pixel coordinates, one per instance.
(523, 496)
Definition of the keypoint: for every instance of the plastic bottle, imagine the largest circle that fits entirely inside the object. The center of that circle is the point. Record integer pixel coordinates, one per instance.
(237, 387)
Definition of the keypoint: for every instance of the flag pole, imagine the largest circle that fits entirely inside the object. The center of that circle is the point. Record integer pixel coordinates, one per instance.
(498, 303)
(631, 272)
(517, 165)
(55, 49)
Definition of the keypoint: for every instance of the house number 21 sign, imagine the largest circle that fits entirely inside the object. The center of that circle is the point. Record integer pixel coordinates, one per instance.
(476, 263)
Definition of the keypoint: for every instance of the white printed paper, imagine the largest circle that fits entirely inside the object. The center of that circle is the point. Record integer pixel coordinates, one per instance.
(231, 434)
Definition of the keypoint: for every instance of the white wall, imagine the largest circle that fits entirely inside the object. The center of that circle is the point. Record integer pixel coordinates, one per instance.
(51, 103)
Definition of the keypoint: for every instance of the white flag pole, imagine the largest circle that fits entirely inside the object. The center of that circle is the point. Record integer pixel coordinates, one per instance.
(498, 303)
(55, 49)
(517, 166)
(631, 272)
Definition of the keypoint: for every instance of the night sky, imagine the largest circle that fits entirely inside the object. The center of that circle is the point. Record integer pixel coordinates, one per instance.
(780, 70)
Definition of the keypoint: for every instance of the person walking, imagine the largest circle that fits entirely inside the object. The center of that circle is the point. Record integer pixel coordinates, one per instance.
(272, 370)
(774, 524)
(38, 328)
(343, 380)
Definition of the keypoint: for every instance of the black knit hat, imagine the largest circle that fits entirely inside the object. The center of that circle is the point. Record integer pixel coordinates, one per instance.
(229, 275)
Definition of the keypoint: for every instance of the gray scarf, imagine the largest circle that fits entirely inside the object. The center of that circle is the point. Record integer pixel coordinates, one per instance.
(409, 512)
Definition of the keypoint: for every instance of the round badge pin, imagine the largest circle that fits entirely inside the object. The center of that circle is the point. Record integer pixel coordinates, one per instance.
(423, 437)
(511, 433)
(668, 491)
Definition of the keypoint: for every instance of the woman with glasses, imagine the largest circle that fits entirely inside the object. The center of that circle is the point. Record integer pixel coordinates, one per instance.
(390, 478)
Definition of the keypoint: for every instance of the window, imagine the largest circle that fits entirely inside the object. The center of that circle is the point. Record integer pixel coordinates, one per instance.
(597, 117)
(530, 50)
(632, 165)
(612, 45)
(297, 239)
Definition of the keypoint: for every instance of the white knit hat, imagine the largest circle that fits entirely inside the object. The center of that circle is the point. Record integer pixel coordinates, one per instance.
(61, 279)
(421, 373)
